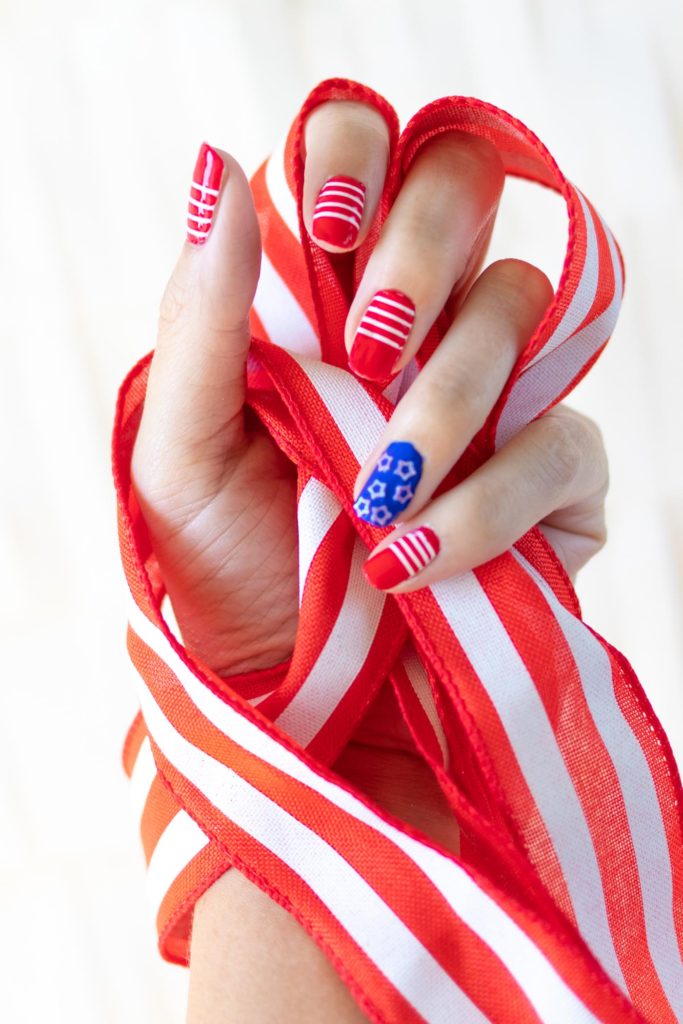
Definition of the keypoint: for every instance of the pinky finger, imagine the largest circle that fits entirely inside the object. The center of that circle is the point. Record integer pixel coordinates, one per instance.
(553, 473)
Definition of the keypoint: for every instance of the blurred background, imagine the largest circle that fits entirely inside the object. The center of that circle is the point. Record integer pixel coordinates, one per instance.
(103, 109)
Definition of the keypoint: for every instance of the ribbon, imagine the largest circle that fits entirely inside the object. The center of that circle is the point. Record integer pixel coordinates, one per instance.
(564, 903)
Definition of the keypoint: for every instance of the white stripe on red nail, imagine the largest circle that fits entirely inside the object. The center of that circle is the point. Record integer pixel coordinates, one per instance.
(205, 188)
(399, 305)
(402, 559)
(379, 337)
(335, 183)
(322, 209)
(200, 205)
(385, 327)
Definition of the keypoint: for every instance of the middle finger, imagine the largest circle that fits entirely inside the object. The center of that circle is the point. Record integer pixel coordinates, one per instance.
(429, 242)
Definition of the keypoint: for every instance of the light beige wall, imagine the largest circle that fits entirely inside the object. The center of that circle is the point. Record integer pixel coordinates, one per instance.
(103, 108)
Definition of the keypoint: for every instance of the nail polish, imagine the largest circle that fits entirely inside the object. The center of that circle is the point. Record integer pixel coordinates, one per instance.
(338, 211)
(381, 334)
(204, 193)
(403, 558)
(391, 485)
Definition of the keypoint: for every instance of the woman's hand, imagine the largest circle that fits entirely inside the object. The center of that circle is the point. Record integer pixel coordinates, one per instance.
(218, 495)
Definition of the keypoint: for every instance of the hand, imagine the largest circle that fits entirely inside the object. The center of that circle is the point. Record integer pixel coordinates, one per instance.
(219, 497)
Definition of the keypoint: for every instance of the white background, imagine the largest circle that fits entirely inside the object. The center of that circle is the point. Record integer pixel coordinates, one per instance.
(103, 111)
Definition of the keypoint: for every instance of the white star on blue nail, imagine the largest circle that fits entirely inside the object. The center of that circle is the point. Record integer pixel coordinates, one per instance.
(403, 493)
(384, 464)
(376, 489)
(362, 506)
(380, 515)
(405, 468)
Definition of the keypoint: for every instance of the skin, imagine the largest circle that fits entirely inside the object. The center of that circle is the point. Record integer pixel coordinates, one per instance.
(220, 499)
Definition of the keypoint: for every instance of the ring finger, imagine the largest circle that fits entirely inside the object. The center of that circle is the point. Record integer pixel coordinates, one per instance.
(451, 397)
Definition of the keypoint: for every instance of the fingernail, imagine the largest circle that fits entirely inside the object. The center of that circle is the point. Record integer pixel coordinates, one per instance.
(391, 485)
(381, 334)
(338, 211)
(204, 191)
(403, 558)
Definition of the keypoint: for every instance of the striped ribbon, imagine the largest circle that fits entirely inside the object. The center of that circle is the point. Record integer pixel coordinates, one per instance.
(565, 903)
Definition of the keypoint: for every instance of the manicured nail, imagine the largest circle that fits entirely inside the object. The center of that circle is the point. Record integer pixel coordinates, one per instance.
(381, 334)
(204, 192)
(391, 485)
(338, 211)
(403, 558)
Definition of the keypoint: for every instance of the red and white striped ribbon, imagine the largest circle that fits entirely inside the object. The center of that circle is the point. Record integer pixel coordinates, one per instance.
(565, 903)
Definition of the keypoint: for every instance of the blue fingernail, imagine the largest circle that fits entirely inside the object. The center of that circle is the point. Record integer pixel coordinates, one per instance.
(391, 485)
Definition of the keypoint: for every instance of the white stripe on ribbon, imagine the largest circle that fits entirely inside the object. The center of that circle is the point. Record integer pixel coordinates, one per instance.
(584, 296)
(540, 383)
(317, 511)
(281, 315)
(178, 844)
(637, 787)
(339, 662)
(355, 414)
(357, 906)
(506, 679)
(548, 993)
(278, 189)
(419, 681)
(143, 775)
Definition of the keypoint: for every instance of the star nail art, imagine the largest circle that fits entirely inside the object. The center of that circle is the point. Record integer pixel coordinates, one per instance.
(392, 484)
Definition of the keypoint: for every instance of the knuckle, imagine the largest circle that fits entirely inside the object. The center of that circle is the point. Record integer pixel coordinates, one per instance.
(563, 446)
(458, 151)
(519, 287)
(352, 117)
(489, 510)
(175, 303)
(459, 387)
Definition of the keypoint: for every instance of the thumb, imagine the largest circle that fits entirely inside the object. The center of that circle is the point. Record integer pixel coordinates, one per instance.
(193, 412)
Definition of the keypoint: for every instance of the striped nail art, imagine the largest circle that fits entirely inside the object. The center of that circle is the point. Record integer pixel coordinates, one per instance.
(403, 558)
(204, 192)
(391, 485)
(381, 334)
(338, 211)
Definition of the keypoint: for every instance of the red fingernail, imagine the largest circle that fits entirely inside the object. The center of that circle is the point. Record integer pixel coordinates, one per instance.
(204, 191)
(338, 211)
(381, 334)
(405, 557)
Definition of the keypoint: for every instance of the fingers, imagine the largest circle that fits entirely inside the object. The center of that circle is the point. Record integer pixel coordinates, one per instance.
(431, 240)
(196, 384)
(347, 149)
(451, 397)
(555, 468)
